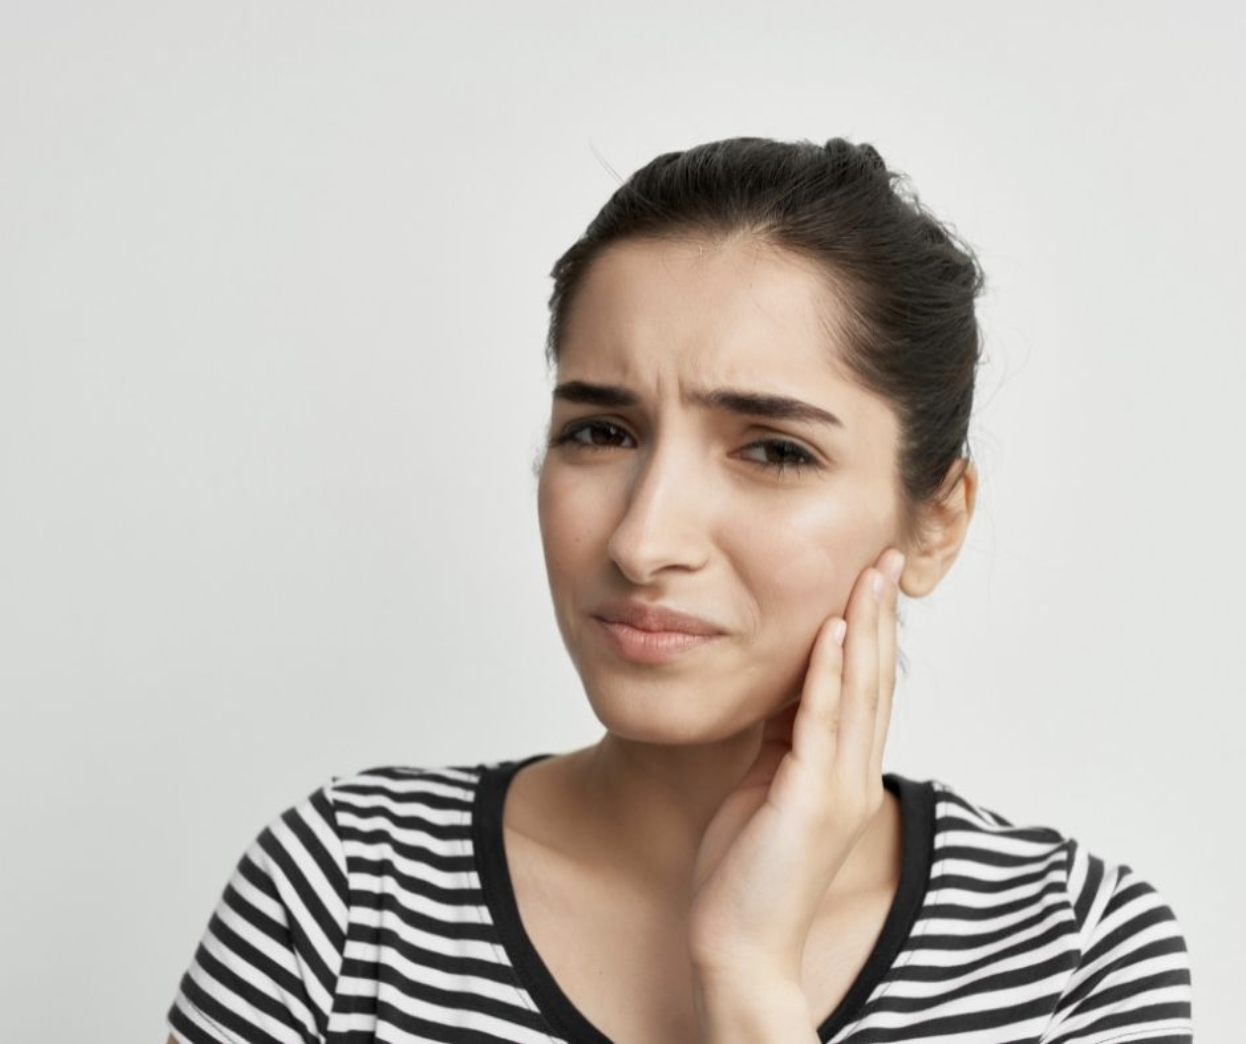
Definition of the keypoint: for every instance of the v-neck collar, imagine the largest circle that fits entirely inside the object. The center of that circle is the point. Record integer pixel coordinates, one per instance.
(917, 809)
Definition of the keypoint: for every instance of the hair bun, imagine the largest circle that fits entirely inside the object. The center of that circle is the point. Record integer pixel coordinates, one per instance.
(871, 156)
(861, 158)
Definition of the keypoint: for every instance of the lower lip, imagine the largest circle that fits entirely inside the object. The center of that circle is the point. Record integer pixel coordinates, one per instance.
(651, 646)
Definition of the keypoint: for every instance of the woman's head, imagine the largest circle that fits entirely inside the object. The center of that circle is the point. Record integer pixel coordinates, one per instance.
(753, 272)
(905, 287)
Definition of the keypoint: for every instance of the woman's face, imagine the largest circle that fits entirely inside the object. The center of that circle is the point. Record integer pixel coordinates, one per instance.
(670, 499)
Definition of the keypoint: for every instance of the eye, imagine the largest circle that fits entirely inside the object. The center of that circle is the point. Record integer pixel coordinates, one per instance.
(790, 454)
(570, 432)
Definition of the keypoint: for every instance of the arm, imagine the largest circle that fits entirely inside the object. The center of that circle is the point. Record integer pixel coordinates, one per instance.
(266, 967)
(1132, 982)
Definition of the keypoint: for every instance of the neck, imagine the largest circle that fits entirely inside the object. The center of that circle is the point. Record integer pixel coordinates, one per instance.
(658, 799)
(641, 809)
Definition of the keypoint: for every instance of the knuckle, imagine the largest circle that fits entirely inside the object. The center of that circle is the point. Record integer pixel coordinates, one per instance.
(828, 719)
(866, 695)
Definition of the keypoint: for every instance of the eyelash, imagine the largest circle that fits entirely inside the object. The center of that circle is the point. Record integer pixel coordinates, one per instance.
(779, 467)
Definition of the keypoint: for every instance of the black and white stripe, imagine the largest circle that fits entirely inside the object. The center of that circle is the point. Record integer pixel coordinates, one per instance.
(379, 909)
(1025, 936)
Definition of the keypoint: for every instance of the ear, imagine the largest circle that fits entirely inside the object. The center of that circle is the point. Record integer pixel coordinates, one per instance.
(944, 524)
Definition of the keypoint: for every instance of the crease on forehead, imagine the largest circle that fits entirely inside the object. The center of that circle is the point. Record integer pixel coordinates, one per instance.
(816, 328)
(833, 311)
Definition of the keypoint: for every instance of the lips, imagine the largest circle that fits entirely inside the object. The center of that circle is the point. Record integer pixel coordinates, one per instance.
(647, 617)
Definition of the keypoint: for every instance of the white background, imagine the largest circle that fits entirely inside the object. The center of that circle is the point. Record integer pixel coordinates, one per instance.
(272, 307)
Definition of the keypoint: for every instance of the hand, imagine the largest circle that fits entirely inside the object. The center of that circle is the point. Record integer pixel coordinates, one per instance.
(774, 846)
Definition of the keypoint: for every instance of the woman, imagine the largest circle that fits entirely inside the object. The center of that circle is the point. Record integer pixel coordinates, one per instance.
(765, 360)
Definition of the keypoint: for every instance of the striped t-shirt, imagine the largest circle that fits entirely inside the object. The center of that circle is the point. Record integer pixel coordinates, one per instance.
(381, 909)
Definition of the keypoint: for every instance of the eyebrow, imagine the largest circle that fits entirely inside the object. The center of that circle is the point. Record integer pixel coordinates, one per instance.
(728, 400)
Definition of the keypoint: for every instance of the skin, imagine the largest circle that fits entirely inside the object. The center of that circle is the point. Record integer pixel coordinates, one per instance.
(737, 788)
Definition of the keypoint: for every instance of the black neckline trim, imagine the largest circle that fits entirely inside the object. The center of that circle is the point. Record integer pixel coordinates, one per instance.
(917, 806)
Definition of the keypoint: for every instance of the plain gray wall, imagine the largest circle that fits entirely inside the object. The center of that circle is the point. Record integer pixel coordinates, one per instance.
(272, 305)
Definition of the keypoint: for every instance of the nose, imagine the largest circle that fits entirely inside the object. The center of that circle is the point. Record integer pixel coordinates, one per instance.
(666, 516)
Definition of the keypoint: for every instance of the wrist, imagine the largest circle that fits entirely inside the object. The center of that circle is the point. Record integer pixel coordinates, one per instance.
(753, 1009)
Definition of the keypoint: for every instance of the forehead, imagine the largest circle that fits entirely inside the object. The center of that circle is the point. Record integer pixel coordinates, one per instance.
(719, 307)
(663, 317)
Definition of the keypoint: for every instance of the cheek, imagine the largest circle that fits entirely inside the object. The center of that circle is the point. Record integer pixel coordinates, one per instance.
(813, 562)
(811, 583)
(568, 517)
(808, 573)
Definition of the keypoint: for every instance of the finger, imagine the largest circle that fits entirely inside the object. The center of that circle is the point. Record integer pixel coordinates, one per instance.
(859, 700)
(891, 562)
(816, 728)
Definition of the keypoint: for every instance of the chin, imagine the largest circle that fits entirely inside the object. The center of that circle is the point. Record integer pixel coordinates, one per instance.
(677, 714)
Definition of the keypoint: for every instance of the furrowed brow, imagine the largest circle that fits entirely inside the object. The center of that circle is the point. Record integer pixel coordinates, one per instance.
(595, 394)
(760, 404)
(726, 400)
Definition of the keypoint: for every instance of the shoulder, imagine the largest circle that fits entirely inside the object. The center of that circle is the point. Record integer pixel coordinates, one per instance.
(270, 958)
(306, 854)
(383, 780)
(973, 841)
(388, 793)
(978, 841)
(405, 816)
(1111, 942)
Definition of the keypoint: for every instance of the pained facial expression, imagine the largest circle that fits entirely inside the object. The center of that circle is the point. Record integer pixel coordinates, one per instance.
(682, 504)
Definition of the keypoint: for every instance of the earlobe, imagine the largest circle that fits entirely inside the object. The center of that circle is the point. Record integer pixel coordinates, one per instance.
(944, 526)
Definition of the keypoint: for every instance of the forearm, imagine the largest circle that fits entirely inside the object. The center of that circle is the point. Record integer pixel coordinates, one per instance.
(756, 1011)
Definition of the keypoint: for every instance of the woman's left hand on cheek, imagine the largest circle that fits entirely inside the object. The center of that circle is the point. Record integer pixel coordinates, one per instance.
(775, 845)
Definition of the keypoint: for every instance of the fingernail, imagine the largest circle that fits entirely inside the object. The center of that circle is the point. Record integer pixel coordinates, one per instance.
(838, 629)
(877, 583)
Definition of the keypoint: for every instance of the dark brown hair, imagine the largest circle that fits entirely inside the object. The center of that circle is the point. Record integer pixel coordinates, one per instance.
(905, 282)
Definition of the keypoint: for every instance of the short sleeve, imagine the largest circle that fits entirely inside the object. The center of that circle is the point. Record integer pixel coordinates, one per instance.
(1132, 981)
(267, 966)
